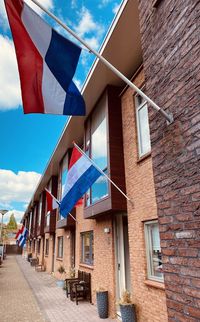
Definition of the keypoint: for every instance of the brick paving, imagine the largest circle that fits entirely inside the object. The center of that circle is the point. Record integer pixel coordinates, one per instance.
(27, 295)
(17, 301)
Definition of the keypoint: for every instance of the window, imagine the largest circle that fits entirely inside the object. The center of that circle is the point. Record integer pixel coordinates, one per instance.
(47, 217)
(87, 248)
(60, 247)
(47, 247)
(38, 245)
(96, 147)
(144, 143)
(153, 251)
(63, 175)
(40, 211)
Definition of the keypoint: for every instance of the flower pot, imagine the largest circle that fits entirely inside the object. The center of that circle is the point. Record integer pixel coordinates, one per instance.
(60, 283)
(102, 304)
(128, 312)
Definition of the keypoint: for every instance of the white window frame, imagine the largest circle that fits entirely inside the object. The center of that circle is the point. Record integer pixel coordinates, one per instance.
(148, 244)
(138, 108)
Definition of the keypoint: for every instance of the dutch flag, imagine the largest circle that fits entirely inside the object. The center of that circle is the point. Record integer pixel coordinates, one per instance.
(80, 177)
(46, 61)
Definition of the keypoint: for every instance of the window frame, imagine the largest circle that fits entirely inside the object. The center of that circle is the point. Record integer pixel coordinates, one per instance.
(38, 245)
(65, 161)
(39, 211)
(89, 262)
(139, 107)
(47, 247)
(59, 238)
(48, 213)
(88, 150)
(149, 251)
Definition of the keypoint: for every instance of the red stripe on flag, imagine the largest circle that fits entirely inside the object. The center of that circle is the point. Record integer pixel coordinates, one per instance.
(49, 202)
(76, 154)
(30, 63)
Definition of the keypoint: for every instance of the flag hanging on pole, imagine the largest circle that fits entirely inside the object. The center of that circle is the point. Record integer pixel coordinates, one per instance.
(80, 178)
(46, 61)
(52, 202)
(74, 157)
(17, 234)
(21, 238)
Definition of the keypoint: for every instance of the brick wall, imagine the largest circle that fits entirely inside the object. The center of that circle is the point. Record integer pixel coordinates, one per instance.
(103, 270)
(148, 296)
(48, 258)
(171, 53)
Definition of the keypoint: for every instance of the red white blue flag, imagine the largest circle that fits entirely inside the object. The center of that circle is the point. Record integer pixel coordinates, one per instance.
(21, 239)
(52, 202)
(80, 178)
(46, 61)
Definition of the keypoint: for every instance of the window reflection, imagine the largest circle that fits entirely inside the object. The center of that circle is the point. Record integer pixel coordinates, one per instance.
(96, 129)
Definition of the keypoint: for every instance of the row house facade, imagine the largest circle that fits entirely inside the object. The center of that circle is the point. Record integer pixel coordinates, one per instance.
(125, 245)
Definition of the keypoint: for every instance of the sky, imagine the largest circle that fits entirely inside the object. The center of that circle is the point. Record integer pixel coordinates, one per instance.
(28, 141)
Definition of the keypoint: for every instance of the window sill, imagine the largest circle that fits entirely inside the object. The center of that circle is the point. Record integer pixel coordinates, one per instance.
(59, 258)
(46, 255)
(145, 156)
(86, 266)
(155, 284)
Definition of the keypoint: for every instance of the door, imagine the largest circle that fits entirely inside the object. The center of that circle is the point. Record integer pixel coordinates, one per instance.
(122, 255)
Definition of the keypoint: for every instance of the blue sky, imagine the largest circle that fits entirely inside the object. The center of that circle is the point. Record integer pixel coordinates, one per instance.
(27, 141)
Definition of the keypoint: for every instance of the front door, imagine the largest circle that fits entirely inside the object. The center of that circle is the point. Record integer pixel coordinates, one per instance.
(122, 255)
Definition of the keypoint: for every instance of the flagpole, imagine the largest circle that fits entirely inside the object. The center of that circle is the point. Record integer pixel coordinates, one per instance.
(59, 203)
(169, 117)
(103, 173)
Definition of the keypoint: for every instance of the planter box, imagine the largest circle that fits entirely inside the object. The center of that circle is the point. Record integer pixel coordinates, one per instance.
(128, 312)
(102, 304)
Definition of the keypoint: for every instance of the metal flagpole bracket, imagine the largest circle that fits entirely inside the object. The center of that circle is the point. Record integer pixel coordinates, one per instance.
(169, 116)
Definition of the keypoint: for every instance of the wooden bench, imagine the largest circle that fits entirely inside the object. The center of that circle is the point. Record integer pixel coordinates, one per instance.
(81, 290)
(68, 281)
(40, 267)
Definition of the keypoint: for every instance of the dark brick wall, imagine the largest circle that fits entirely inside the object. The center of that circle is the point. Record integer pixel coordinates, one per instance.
(171, 52)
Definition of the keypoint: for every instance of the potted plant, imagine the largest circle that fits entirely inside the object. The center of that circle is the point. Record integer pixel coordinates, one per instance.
(61, 282)
(102, 302)
(127, 308)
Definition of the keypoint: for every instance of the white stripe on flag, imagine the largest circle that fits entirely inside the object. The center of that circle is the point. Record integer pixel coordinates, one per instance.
(53, 93)
(54, 204)
(75, 172)
(39, 31)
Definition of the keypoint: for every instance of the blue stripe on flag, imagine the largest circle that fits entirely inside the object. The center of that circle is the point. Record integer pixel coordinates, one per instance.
(78, 190)
(23, 242)
(74, 102)
(62, 58)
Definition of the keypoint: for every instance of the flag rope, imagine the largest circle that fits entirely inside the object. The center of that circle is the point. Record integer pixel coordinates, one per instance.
(169, 117)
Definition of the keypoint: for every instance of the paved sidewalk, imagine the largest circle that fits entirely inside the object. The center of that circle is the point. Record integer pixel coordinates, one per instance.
(17, 301)
(43, 300)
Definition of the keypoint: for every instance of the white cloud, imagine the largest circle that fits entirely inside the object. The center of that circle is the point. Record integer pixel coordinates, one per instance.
(78, 83)
(88, 26)
(18, 216)
(10, 96)
(93, 42)
(104, 3)
(17, 187)
(115, 8)
(48, 4)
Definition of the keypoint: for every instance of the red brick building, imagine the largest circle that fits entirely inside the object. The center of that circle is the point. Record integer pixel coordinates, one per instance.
(150, 245)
